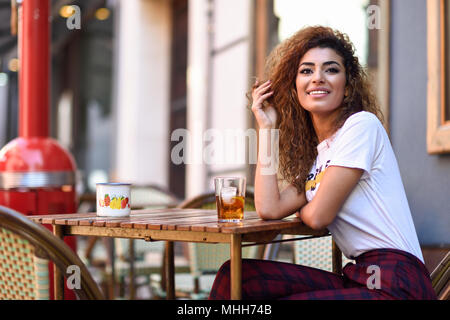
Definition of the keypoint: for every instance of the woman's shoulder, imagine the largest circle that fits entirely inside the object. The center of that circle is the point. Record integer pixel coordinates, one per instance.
(360, 124)
(362, 118)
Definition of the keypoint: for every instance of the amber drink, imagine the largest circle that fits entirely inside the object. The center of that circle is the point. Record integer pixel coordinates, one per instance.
(230, 198)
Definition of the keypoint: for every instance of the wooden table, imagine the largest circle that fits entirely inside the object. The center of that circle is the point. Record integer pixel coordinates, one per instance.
(189, 225)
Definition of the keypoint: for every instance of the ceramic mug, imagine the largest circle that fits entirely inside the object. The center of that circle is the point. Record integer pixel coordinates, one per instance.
(113, 199)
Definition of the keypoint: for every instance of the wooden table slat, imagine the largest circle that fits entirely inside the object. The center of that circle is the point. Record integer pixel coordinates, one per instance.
(232, 227)
(90, 215)
(144, 224)
(114, 222)
(150, 222)
(215, 226)
(260, 225)
(88, 219)
(183, 223)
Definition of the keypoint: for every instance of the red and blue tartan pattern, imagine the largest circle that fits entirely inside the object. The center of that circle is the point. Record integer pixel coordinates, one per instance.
(402, 276)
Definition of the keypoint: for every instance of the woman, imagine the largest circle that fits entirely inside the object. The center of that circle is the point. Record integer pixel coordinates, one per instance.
(342, 175)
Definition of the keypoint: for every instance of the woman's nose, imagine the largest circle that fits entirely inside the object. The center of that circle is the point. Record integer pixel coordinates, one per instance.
(318, 77)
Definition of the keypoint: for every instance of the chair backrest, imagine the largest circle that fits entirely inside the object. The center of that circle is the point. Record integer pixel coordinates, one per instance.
(207, 258)
(152, 196)
(316, 253)
(440, 277)
(25, 250)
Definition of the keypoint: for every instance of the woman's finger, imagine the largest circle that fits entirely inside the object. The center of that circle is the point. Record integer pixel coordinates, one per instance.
(264, 97)
(262, 88)
(259, 102)
(265, 84)
(268, 94)
(258, 84)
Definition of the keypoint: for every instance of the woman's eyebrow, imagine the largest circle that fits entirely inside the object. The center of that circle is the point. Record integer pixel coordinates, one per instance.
(331, 62)
(327, 63)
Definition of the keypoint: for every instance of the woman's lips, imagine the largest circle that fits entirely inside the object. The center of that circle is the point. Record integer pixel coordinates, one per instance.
(318, 93)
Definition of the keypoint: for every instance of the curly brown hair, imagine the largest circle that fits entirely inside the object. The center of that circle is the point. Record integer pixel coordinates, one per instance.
(298, 139)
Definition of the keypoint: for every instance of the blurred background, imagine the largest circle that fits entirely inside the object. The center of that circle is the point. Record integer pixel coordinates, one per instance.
(137, 70)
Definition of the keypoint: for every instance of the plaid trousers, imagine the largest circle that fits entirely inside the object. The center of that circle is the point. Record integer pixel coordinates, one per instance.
(377, 274)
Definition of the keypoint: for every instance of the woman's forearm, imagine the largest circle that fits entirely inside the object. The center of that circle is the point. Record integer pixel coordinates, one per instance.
(267, 193)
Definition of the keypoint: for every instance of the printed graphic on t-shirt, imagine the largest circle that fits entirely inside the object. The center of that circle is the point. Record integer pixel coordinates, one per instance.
(314, 178)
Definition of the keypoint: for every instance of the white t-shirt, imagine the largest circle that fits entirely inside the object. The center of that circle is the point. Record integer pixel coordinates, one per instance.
(376, 215)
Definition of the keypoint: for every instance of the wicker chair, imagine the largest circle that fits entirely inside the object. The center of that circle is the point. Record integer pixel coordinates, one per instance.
(440, 277)
(206, 259)
(25, 250)
(319, 253)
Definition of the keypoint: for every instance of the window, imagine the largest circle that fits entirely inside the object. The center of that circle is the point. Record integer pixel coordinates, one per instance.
(446, 35)
(438, 104)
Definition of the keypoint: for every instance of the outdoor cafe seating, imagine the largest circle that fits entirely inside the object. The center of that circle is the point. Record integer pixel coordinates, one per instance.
(26, 248)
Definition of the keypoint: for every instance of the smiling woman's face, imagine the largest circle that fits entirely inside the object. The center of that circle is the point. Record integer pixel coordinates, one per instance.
(321, 81)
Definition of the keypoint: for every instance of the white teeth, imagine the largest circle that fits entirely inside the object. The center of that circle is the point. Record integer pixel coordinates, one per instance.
(318, 92)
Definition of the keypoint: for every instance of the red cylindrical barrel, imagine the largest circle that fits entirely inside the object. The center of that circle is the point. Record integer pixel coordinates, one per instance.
(34, 44)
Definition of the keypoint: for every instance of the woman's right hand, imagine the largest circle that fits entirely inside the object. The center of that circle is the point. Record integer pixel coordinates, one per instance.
(265, 116)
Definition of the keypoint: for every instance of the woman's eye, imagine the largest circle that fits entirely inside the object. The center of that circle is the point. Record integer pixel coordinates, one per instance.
(305, 71)
(333, 70)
